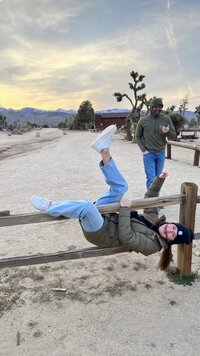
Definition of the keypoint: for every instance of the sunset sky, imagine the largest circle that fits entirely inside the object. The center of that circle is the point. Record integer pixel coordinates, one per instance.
(58, 53)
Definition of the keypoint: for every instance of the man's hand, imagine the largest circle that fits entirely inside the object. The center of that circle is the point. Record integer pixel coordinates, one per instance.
(165, 129)
(145, 152)
(125, 203)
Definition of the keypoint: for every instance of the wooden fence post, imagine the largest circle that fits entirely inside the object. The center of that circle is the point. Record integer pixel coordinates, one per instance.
(4, 212)
(169, 151)
(187, 218)
(196, 158)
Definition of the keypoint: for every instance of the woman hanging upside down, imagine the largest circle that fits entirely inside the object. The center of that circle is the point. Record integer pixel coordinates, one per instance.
(143, 233)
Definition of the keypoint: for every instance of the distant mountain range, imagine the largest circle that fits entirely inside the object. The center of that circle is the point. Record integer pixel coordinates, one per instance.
(189, 115)
(37, 116)
(54, 117)
(105, 111)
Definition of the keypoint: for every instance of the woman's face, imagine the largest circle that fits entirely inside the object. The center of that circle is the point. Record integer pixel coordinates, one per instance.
(168, 231)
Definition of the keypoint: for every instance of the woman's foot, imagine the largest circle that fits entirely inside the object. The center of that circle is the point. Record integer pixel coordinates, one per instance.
(103, 141)
(41, 204)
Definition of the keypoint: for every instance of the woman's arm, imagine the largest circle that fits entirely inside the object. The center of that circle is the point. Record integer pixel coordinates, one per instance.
(137, 241)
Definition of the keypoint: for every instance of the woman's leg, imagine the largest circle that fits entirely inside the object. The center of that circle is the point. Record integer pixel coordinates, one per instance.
(113, 177)
(84, 210)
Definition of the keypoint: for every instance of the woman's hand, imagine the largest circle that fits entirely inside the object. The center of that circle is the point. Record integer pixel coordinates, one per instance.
(125, 203)
(164, 174)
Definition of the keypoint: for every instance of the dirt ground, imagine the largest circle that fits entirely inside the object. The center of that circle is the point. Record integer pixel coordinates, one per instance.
(107, 306)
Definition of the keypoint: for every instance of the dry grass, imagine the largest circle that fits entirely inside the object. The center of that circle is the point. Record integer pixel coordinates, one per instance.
(45, 284)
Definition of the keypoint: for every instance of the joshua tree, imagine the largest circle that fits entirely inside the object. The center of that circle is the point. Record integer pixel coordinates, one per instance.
(137, 102)
(197, 111)
(177, 118)
(183, 106)
(2, 122)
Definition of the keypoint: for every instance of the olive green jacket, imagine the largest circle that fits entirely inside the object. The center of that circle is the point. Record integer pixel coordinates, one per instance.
(120, 229)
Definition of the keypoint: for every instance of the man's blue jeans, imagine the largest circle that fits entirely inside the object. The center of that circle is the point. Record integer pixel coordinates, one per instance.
(153, 165)
(86, 211)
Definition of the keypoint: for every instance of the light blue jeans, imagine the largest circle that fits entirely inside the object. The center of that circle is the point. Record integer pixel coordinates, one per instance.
(86, 211)
(153, 166)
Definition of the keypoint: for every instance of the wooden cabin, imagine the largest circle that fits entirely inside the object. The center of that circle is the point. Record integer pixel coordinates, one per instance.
(104, 119)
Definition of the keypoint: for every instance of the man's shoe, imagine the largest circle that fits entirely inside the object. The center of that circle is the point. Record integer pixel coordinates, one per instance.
(104, 139)
(41, 204)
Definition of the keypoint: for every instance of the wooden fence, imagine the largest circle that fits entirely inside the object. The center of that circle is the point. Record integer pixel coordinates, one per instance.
(190, 146)
(187, 200)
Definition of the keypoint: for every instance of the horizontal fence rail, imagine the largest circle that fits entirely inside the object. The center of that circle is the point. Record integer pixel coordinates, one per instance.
(190, 146)
(61, 256)
(20, 219)
(32, 218)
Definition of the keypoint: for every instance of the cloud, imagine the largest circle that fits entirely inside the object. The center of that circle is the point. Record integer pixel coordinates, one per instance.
(55, 53)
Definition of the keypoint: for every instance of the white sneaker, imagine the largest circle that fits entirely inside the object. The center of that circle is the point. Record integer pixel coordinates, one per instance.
(104, 139)
(41, 204)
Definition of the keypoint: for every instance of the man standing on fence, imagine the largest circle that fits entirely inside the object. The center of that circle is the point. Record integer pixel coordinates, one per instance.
(151, 134)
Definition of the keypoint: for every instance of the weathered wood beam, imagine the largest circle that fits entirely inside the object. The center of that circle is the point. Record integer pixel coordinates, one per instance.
(4, 212)
(184, 145)
(31, 218)
(60, 256)
(197, 235)
(187, 217)
(196, 158)
(196, 148)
